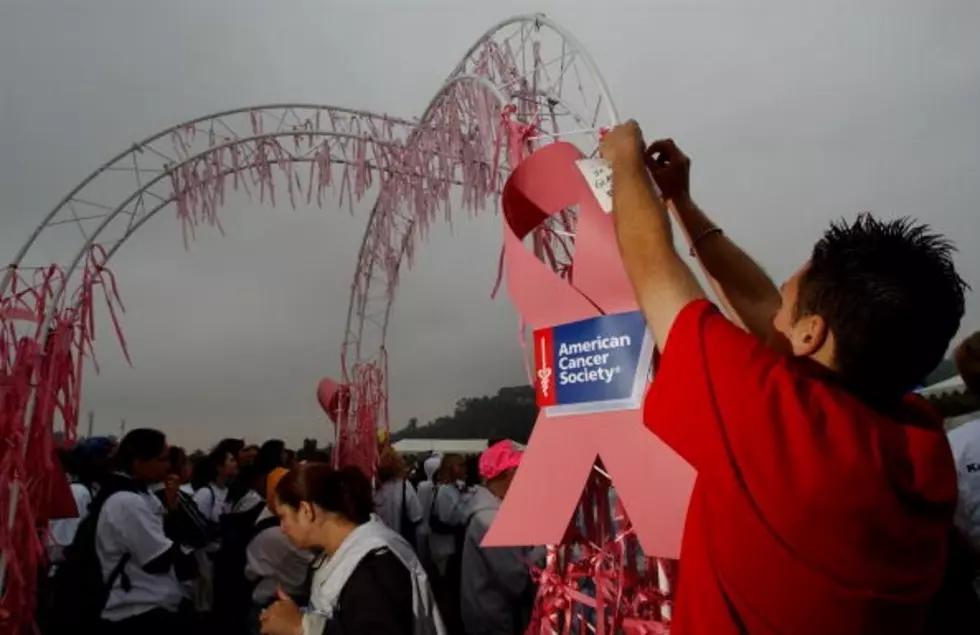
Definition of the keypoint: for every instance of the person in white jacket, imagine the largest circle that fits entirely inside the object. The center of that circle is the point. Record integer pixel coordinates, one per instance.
(396, 502)
(965, 443)
(497, 592)
(426, 492)
(448, 512)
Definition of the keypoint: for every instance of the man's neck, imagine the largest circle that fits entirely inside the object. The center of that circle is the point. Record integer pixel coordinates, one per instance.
(824, 357)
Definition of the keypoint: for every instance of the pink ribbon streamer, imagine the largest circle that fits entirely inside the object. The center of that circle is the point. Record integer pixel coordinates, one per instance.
(41, 373)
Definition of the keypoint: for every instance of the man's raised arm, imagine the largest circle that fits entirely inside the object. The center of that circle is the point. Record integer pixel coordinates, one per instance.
(662, 281)
(745, 290)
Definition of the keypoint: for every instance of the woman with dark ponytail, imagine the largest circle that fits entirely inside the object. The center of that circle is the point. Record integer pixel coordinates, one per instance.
(370, 580)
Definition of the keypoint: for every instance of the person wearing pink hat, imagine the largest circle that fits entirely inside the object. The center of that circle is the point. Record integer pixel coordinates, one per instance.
(496, 590)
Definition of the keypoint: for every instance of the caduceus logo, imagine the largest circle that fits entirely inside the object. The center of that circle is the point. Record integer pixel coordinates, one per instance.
(544, 373)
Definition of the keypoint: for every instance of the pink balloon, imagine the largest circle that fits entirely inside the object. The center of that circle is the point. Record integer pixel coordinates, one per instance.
(328, 393)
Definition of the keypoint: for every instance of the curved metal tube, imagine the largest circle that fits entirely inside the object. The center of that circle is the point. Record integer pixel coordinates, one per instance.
(136, 147)
(611, 113)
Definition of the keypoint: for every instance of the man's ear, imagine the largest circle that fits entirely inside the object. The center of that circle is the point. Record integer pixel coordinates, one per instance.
(809, 335)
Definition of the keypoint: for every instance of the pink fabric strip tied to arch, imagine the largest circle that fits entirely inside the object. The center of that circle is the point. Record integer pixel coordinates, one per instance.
(653, 483)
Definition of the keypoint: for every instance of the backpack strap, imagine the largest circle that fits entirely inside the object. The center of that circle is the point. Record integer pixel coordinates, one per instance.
(117, 571)
(408, 525)
(214, 501)
(437, 524)
(404, 511)
(265, 523)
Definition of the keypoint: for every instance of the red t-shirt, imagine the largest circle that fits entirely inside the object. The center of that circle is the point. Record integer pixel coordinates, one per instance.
(812, 513)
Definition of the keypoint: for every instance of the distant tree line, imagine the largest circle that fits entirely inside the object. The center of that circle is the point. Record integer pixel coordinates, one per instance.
(510, 414)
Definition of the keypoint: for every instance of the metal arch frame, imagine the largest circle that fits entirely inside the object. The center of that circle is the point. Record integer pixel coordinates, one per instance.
(364, 257)
(91, 240)
(52, 306)
(148, 141)
(538, 19)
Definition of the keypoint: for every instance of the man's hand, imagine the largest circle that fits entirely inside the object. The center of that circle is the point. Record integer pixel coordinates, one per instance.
(623, 144)
(743, 288)
(281, 618)
(663, 283)
(670, 168)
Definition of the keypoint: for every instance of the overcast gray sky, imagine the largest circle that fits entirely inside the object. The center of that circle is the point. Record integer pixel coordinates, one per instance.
(795, 113)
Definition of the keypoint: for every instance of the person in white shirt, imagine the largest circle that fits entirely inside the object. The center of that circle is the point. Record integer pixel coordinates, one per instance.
(964, 440)
(496, 589)
(247, 493)
(135, 554)
(447, 523)
(448, 509)
(181, 467)
(396, 501)
(85, 464)
(62, 531)
(187, 526)
(272, 561)
(426, 492)
(219, 469)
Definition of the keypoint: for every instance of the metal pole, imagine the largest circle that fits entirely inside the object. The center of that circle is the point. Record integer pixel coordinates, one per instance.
(91, 424)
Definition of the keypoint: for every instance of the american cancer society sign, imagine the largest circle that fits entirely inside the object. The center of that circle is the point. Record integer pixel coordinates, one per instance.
(594, 365)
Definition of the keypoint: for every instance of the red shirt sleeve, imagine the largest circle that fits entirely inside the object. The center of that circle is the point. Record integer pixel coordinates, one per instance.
(713, 384)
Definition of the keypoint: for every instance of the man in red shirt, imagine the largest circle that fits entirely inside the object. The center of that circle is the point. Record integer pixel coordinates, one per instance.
(825, 492)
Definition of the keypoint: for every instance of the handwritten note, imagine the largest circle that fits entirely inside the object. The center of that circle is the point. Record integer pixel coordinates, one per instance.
(598, 174)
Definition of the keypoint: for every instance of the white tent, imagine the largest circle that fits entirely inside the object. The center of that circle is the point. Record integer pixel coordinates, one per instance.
(952, 386)
(443, 446)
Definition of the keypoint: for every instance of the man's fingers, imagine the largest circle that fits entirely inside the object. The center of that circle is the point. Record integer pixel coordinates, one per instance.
(664, 151)
(662, 146)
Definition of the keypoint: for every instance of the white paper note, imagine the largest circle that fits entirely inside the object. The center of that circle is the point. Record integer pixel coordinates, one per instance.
(598, 174)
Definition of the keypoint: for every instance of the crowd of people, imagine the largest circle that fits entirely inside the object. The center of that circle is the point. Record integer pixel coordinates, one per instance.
(251, 540)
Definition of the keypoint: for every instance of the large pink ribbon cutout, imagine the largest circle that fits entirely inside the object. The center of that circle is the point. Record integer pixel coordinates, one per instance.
(653, 483)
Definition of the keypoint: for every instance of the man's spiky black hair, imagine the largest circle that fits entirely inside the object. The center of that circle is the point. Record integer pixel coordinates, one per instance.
(891, 297)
